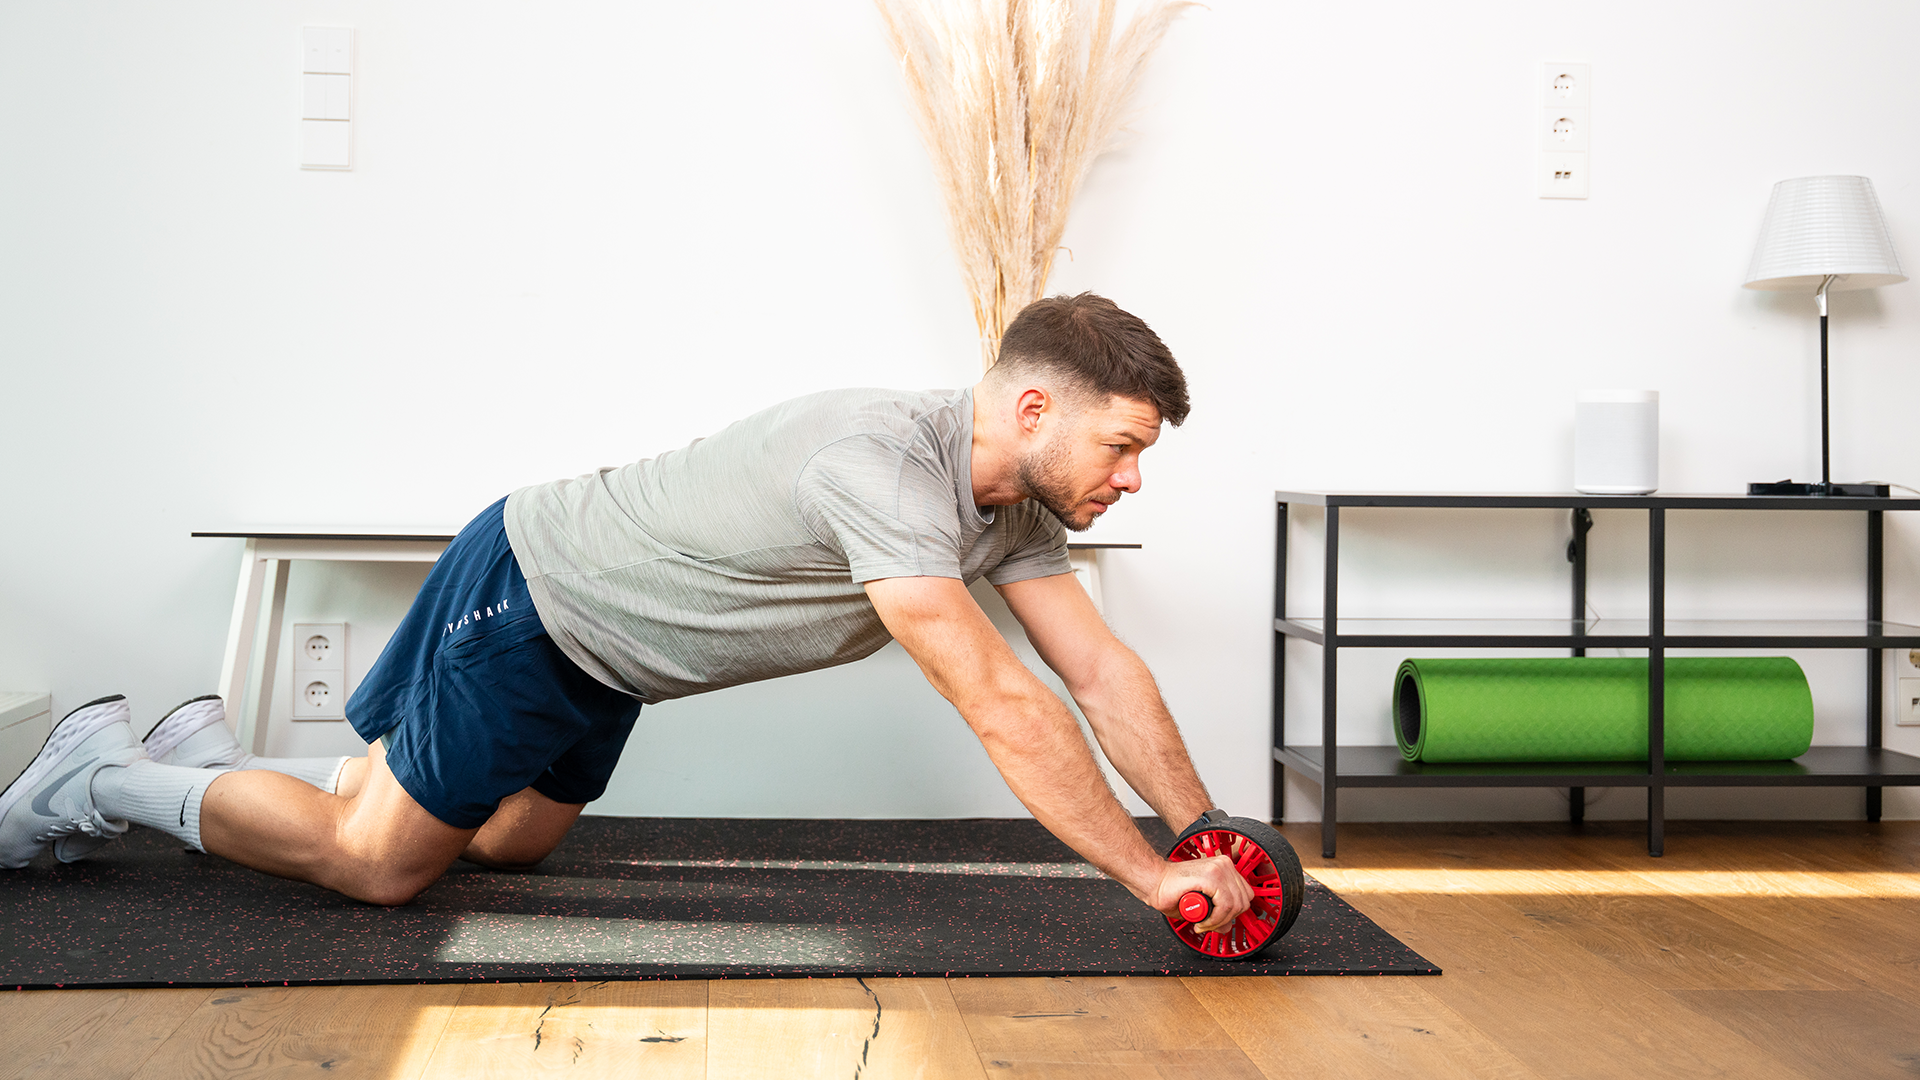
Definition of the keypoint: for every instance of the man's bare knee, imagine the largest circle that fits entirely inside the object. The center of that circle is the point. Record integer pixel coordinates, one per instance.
(387, 886)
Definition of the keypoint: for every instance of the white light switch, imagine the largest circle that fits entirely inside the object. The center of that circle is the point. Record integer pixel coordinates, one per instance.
(326, 97)
(327, 50)
(326, 144)
(1562, 138)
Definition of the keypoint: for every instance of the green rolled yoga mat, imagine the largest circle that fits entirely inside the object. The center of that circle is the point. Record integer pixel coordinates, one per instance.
(1732, 708)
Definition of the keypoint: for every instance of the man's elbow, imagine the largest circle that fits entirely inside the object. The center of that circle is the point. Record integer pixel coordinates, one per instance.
(1113, 671)
(1002, 710)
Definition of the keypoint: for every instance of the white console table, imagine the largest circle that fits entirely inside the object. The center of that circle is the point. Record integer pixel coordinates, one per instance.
(267, 556)
(26, 717)
(1086, 566)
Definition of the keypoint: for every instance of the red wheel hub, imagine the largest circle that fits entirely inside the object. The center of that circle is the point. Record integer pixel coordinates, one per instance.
(1254, 926)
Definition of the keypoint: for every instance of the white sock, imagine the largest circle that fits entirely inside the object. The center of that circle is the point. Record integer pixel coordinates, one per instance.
(164, 797)
(214, 747)
(321, 772)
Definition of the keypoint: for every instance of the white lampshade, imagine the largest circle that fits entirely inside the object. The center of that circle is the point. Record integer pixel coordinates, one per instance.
(1819, 226)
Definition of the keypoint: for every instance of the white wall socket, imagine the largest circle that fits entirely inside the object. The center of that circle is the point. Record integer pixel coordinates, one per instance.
(1564, 151)
(1563, 130)
(319, 671)
(1564, 85)
(1906, 702)
(1906, 712)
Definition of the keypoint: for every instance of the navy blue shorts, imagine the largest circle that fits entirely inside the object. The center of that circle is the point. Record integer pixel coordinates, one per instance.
(475, 700)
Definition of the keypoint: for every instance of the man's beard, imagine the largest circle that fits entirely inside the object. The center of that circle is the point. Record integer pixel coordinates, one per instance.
(1043, 474)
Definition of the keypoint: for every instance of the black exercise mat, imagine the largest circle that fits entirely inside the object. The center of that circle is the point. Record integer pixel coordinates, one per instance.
(644, 898)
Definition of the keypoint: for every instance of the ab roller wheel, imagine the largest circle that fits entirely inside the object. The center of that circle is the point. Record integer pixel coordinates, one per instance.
(1267, 862)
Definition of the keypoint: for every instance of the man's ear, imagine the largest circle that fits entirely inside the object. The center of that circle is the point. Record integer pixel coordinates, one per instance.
(1032, 403)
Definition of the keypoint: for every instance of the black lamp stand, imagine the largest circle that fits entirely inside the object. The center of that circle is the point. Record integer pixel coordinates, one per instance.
(1826, 486)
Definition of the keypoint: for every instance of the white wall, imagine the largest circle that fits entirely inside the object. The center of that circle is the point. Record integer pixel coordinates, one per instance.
(581, 234)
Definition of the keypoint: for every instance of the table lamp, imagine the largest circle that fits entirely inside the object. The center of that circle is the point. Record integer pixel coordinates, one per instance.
(1823, 234)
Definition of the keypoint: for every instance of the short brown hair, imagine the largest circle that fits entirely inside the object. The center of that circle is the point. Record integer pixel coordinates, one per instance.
(1095, 348)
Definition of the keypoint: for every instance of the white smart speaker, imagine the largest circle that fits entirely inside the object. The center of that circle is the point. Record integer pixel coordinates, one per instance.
(1616, 442)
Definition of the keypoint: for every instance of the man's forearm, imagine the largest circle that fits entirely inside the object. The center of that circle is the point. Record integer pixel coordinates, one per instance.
(1027, 731)
(1121, 701)
(1039, 750)
(1137, 733)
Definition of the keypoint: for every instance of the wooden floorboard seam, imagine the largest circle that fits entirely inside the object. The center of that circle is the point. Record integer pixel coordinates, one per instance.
(427, 1057)
(154, 1049)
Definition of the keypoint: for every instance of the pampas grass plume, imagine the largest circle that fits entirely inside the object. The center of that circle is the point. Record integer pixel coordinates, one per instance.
(1016, 98)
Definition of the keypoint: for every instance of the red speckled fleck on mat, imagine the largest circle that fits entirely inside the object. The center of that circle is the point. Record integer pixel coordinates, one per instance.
(645, 898)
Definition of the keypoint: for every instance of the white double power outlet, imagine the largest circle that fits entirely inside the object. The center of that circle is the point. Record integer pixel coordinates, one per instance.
(319, 671)
(1906, 700)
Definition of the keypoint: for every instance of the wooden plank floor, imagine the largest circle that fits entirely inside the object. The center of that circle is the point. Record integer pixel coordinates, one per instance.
(1751, 950)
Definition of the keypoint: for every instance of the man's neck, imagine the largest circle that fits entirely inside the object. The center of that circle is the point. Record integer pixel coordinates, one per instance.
(996, 465)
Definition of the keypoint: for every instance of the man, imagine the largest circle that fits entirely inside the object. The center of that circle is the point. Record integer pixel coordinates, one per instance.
(805, 536)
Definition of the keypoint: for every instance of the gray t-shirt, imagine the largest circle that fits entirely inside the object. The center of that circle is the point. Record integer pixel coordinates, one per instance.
(741, 557)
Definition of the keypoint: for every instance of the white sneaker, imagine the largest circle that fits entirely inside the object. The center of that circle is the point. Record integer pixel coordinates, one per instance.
(52, 801)
(195, 720)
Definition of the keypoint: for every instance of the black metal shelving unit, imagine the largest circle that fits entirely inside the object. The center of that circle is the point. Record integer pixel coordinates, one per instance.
(1333, 766)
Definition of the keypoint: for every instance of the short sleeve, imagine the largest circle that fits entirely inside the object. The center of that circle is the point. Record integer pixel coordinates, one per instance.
(1036, 545)
(884, 505)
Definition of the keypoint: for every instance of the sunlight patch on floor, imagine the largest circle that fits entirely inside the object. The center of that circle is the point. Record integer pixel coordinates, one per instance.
(500, 938)
(417, 1045)
(1855, 885)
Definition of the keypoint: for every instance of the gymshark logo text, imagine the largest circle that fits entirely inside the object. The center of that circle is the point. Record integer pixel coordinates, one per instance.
(476, 615)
